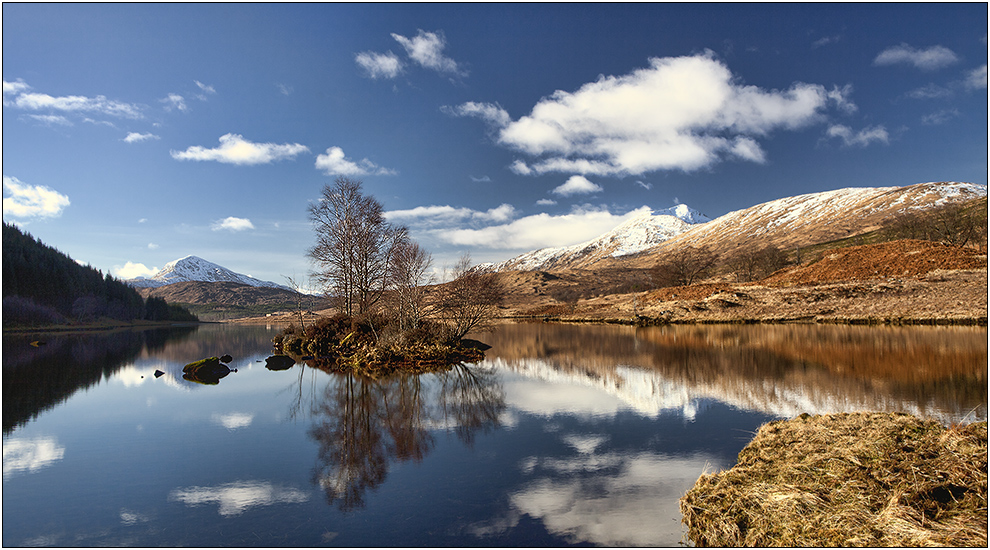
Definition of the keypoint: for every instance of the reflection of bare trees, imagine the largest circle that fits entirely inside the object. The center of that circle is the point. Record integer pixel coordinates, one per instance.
(362, 424)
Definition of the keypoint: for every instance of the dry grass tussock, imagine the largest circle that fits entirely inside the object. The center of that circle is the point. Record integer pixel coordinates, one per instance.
(860, 479)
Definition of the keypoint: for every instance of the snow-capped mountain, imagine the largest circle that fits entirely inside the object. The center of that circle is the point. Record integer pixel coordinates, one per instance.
(632, 236)
(813, 218)
(784, 223)
(194, 268)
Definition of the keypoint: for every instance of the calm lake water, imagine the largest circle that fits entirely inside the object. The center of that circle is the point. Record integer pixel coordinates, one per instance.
(564, 435)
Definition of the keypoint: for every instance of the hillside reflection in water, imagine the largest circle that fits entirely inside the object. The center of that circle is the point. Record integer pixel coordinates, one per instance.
(563, 435)
(783, 370)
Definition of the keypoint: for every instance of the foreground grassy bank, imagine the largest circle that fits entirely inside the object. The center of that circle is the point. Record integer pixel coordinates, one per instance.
(860, 479)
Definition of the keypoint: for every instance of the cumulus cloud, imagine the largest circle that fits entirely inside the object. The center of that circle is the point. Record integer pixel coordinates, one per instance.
(546, 202)
(680, 113)
(135, 137)
(131, 270)
(379, 65)
(577, 185)
(18, 95)
(539, 230)
(232, 224)
(861, 138)
(31, 201)
(434, 215)
(426, 49)
(977, 78)
(335, 163)
(928, 59)
(234, 149)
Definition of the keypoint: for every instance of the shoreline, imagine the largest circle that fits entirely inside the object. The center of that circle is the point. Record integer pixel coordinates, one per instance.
(98, 327)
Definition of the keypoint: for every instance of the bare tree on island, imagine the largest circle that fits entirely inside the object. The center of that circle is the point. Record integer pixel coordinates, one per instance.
(411, 275)
(355, 246)
(471, 300)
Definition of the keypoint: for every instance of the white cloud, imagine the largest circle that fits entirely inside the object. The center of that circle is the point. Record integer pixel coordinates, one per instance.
(379, 65)
(232, 224)
(576, 185)
(132, 270)
(930, 91)
(824, 41)
(482, 179)
(205, 88)
(21, 98)
(940, 117)
(333, 162)
(51, 120)
(539, 230)
(439, 215)
(135, 137)
(840, 96)
(644, 185)
(426, 48)
(977, 78)
(31, 201)
(175, 101)
(234, 149)
(862, 138)
(493, 114)
(284, 89)
(152, 246)
(680, 113)
(546, 202)
(14, 88)
(929, 59)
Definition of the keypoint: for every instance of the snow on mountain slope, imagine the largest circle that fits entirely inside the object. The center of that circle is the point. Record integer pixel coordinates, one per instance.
(819, 217)
(194, 268)
(633, 236)
(783, 223)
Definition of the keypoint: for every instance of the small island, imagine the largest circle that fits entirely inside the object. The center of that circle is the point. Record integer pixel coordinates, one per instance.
(391, 317)
(372, 347)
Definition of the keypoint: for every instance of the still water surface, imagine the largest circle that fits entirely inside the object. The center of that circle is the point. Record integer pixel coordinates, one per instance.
(564, 435)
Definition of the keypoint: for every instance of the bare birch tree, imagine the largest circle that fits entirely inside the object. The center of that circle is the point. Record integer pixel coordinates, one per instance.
(471, 300)
(355, 246)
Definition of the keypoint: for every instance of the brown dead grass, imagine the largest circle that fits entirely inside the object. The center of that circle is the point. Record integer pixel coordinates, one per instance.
(859, 479)
(904, 258)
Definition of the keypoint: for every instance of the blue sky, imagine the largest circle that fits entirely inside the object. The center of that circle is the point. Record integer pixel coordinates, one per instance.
(137, 134)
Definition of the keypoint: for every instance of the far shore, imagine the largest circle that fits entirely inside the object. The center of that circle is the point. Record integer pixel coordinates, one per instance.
(98, 326)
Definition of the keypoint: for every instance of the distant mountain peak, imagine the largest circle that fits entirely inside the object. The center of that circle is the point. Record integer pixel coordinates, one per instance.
(194, 268)
(632, 236)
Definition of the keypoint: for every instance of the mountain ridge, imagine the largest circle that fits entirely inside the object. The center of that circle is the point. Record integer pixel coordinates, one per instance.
(785, 223)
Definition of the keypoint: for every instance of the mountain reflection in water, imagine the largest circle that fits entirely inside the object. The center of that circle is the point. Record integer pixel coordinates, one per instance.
(784, 370)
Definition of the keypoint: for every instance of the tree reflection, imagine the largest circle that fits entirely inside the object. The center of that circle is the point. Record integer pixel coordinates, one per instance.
(361, 424)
